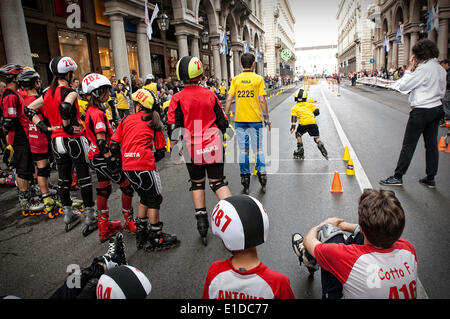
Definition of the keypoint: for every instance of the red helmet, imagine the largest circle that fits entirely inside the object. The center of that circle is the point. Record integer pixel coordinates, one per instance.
(10, 71)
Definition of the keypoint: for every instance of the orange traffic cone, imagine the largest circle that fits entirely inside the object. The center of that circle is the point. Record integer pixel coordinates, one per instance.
(336, 186)
(448, 148)
(441, 145)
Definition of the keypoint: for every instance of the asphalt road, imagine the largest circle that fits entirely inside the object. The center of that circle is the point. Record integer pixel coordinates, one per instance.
(35, 251)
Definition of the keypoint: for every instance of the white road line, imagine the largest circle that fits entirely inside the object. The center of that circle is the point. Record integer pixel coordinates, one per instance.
(303, 160)
(326, 173)
(360, 174)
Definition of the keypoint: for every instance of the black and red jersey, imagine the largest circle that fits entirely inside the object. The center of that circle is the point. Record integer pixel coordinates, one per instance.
(137, 139)
(38, 140)
(12, 106)
(96, 122)
(199, 112)
(51, 107)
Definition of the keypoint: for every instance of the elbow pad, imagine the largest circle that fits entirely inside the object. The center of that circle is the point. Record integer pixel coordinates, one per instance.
(316, 112)
(66, 110)
(115, 149)
(159, 154)
(103, 146)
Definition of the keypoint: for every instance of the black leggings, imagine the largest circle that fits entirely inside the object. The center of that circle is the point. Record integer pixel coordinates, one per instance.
(68, 151)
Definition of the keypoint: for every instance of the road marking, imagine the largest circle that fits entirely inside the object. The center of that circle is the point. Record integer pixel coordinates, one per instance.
(360, 174)
(326, 173)
(306, 159)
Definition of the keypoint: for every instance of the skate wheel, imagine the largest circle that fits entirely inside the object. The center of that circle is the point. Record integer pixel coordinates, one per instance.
(59, 212)
(51, 216)
(45, 211)
(24, 213)
(32, 214)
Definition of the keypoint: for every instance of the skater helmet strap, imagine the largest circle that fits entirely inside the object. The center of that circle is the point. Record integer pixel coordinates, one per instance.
(240, 221)
(123, 282)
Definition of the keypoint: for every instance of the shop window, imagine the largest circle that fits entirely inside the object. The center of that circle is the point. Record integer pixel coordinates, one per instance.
(158, 65)
(133, 57)
(31, 4)
(172, 61)
(106, 56)
(74, 44)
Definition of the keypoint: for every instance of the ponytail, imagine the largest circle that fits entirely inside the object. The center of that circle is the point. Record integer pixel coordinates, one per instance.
(154, 118)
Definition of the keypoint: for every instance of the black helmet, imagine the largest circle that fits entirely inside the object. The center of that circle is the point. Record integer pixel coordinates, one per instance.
(189, 68)
(10, 71)
(28, 78)
(301, 96)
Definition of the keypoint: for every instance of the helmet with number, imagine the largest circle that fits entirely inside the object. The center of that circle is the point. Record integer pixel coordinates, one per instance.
(28, 78)
(150, 77)
(10, 71)
(62, 65)
(189, 68)
(144, 98)
(240, 221)
(123, 282)
(300, 96)
(92, 82)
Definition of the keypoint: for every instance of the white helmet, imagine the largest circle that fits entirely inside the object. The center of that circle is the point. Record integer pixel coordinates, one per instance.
(94, 81)
(240, 221)
(150, 77)
(62, 65)
(123, 282)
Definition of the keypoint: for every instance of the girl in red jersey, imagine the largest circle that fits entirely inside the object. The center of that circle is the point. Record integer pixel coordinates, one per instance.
(38, 133)
(68, 142)
(137, 134)
(99, 133)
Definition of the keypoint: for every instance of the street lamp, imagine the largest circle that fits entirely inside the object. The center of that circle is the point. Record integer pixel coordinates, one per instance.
(163, 22)
(205, 36)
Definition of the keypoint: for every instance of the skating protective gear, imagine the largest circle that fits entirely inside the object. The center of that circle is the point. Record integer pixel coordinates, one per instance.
(115, 149)
(104, 192)
(43, 127)
(93, 82)
(44, 171)
(85, 181)
(327, 231)
(266, 120)
(29, 113)
(64, 184)
(144, 98)
(61, 65)
(67, 111)
(159, 154)
(28, 78)
(316, 112)
(189, 68)
(240, 221)
(195, 186)
(300, 96)
(103, 146)
(123, 282)
(127, 190)
(215, 186)
(10, 71)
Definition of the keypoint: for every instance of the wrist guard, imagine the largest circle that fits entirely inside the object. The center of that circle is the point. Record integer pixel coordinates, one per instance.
(266, 119)
(103, 146)
(42, 127)
(29, 113)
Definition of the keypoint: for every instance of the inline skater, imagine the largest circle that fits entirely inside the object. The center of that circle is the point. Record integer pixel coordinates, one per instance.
(99, 132)
(199, 112)
(15, 122)
(134, 138)
(68, 143)
(39, 132)
(305, 112)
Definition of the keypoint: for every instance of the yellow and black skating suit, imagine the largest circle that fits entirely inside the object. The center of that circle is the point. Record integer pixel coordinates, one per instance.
(304, 113)
(247, 87)
(152, 86)
(121, 98)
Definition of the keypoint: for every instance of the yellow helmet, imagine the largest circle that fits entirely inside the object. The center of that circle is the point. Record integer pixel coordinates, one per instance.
(188, 68)
(144, 98)
(301, 96)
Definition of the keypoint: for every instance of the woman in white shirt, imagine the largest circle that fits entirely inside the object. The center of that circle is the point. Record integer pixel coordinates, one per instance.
(425, 80)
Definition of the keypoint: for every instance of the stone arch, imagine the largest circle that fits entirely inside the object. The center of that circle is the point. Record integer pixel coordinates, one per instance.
(399, 15)
(256, 42)
(414, 10)
(213, 20)
(246, 35)
(385, 27)
(231, 25)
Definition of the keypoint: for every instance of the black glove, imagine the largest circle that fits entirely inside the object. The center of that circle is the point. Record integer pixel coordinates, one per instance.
(113, 165)
(43, 127)
(29, 113)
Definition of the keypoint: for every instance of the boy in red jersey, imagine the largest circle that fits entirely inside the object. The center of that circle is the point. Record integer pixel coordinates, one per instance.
(198, 111)
(137, 134)
(15, 122)
(242, 223)
(99, 133)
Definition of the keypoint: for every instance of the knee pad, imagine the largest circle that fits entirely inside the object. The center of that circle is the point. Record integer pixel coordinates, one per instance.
(104, 190)
(64, 184)
(45, 171)
(215, 186)
(327, 231)
(197, 186)
(127, 190)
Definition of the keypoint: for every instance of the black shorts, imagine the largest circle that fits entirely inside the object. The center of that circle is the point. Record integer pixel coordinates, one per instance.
(40, 156)
(198, 172)
(24, 161)
(312, 130)
(148, 186)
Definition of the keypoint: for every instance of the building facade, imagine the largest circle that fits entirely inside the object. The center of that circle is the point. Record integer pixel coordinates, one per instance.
(111, 37)
(279, 23)
(316, 60)
(412, 15)
(354, 36)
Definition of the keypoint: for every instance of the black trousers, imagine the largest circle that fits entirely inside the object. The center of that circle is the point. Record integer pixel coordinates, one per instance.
(424, 122)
